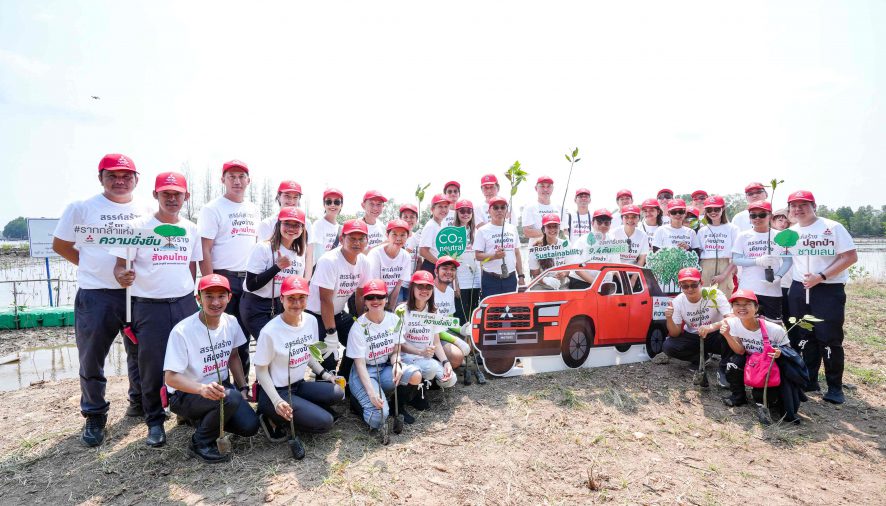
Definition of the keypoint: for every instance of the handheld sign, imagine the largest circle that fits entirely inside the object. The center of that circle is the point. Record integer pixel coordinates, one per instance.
(452, 241)
(788, 238)
(437, 321)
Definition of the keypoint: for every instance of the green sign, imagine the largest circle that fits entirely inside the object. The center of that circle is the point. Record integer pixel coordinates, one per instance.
(452, 241)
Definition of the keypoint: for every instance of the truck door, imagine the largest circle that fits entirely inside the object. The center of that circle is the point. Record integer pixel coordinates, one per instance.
(640, 305)
(613, 309)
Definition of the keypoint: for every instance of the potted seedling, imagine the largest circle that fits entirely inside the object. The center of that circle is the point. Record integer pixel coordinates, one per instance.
(572, 159)
(515, 175)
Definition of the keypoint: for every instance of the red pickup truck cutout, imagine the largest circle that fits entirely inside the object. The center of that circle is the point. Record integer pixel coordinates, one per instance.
(579, 315)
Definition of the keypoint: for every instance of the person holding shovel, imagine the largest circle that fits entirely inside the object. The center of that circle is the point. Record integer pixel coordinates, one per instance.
(162, 290)
(100, 304)
(822, 255)
(200, 353)
(716, 237)
(281, 358)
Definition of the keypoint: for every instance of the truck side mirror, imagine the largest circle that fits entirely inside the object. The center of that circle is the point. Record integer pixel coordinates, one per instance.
(607, 288)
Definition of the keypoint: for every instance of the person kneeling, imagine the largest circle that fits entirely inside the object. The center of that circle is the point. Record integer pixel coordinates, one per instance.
(198, 358)
(281, 356)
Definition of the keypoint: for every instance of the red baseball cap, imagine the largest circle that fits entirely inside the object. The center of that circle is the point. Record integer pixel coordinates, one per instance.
(351, 226)
(451, 183)
(623, 193)
(422, 278)
(397, 223)
(463, 203)
(116, 161)
(439, 199)
(446, 260)
(375, 287)
(699, 194)
(714, 201)
(170, 181)
(212, 281)
(290, 186)
(692, 210)
(754, 186)
(374, 195)
(294, 285)
(677, 204)
(689, 274)
(550, 218)
(649, 203)
(544, 179)
(488, 179)
(630, 209)
(408, 207)
(665, 190)
(235, 165)
(291, 214)
(581, 191)
(801, 195)
(498, 199)
(743, 293)
(602, 212)
(765, 206)
(333, 191)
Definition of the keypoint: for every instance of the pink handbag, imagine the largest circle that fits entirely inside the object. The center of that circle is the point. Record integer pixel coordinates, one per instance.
(759, 367)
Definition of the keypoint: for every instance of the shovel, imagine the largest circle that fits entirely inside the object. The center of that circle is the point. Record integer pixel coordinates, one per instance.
(295, 444)
(127, 329)
(763, 414)
(700, 377)
(398, 419)
(224, 441)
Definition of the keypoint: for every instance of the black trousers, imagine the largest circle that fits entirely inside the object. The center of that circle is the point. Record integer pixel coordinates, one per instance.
(824, 343)
(240, 419)
(308, 401)
(233, 308)
(256, 312)
(343, 324)
(470, 298)
(686, 346)
(770, 307)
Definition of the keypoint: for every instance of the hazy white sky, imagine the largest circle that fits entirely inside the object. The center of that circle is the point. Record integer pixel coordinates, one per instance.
(391, 94)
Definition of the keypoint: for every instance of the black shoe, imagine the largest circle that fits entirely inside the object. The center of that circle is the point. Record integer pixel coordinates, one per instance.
(156, 436)
(834, 395)
(420, 402)
(274, 434)
(135, 410)
(812, 387)
(481, 378)
(208, 454)
(721, 380)
(733, 401)
(94, 430)
(404, 395)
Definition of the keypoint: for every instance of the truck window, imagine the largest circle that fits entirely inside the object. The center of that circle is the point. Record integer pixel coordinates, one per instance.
(566, 280)
(613, 277)
(634, 282)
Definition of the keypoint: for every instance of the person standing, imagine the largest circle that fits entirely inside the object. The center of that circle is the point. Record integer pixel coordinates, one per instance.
(623, 198)
(288, 195)
(162, 281)
(228, 227)
(674, 234)
(821, 259)
(652, 218)
(489, 188)
(391, 263)
(716, 238)
(452, 191)
(664, 197)
(533, 213)
(698, 198)
(373, 205)
(636, 240)
(579, 222)
(99, 306)
(427, 245)
(497, 243)
(753, 193)
(325, 232)
(467, 275)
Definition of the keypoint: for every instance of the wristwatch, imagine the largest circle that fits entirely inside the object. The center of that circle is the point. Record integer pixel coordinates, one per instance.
(331, 331)
(244, 388)
(823, 277)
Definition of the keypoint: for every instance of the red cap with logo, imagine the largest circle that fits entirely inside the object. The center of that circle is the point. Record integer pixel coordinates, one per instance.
(544, 179)
(116, 161)
(235, 165)
(374, 195)
(213, 281)
(439, 199)
(677, 204)
(408, 207)
(354, 226)
(582, 191)
(754, 187)
(422, 278)
(488, 179)
(451, 183)
(630, 209)
(602, 212)
(623, 193)
(170, 181)
(464, 203)
(801, 195)
(294, 285)
(714, 201)
(689, 274)
(692, 210)
(550, 218)
(761, 205)
(333, 191)
(649, 203)
(291, 213)
(289, 186)
(446, 259)
(375, 287)
(498, 199)
(699, 194)
(665, 190)
(743, 293)
(397, 223)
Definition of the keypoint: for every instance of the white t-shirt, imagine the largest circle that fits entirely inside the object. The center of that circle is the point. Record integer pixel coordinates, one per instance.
(578, 224)
(280, 344)
(188, 351)
(96, 267)
(334, 272)
(429, 236)
(374, 342)
(468, 273)
(164, 272)
(716, 241)
(323, 235)
(742, 221)
(489, 237)
(377, 234)
(752, 340)
(415, 333)
(649, 230)
(449, 220)
(692, 316)
(261, 258)
(638, 244)
(266, 228)
(233, 227)
(445, 301)
(616, 220)
(819, 245)
(390, 270)
(533, 214)
(752, 244)
(670, 237)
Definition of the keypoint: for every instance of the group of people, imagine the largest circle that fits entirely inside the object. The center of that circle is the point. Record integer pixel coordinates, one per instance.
(382, 299)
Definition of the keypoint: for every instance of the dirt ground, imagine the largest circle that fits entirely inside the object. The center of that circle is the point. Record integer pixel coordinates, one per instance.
(638, 434)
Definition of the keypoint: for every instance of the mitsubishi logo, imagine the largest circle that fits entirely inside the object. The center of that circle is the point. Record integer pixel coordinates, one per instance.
(507, 313)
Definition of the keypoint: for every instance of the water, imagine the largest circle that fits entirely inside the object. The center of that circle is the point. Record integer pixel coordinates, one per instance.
(52, 364)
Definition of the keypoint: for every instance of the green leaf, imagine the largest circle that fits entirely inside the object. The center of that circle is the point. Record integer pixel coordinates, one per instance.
(567, 158)
(704, 293)
(316, 350)
(575, 153)
(810, 318)
(805, 325)
(578, 159)
(787, 238)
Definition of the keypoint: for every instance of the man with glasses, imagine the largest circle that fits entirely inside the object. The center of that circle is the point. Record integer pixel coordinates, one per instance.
(489, 187)
(373, 205)
(495, 244)
(664, 197)
(689, 319)
(533, 213)
(753, 193)
(698, 198)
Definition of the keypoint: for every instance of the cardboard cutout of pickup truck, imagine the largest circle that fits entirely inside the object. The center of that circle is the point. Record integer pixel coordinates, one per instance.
(577, 315)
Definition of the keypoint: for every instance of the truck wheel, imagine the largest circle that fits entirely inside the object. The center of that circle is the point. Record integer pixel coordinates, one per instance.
(655, 341)
(498, 366)
(577, 342)
(622, 347)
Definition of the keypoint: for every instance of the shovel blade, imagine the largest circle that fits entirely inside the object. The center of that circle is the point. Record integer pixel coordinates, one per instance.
(297, 448)
(224, 445)
(763, 415)
(398, 425)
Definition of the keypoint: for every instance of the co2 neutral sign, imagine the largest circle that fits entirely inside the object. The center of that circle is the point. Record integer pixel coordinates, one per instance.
(452, 241)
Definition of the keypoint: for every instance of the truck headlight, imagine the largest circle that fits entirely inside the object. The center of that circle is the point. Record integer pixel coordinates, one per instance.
(549, 311)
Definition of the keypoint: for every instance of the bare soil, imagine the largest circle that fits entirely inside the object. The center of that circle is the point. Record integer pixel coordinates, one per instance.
(627, 434)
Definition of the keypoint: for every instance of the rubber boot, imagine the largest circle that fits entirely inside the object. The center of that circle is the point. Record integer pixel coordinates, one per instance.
(405, 394)
(833, 359)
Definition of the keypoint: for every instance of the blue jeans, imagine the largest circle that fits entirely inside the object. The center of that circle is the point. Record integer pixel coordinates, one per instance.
(373, 416)
(491, 284)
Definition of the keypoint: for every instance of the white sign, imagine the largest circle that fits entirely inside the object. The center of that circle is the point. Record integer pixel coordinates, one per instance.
(40, 236)
(435, 320)
(93, 235)
(659, 304)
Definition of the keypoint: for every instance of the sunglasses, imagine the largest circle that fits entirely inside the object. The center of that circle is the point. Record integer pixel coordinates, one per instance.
(688, 286)
(498, 208)
(375, 297)
(424, 288)
(465, 211)
(604, 221)
(330, 202)
(665, 196)
(714, 209)
(676, 212)
(757, 216)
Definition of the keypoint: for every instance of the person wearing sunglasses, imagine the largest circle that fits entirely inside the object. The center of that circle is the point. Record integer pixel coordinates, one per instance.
(636, 240)
(601, 228)
(579, 221)
(427, 244)
(497, 243)
(664, 197)
(652, 218)
(452, 191)
(409, 214)
(689, 318)
(374, 347)
(325, 231)
(390, 262)
(755, 251)
(623, 198)
(533, 213)
(698, 198)
(716, 236)
(288, 195)
(467, 277)
(753, 193)
(674, 234)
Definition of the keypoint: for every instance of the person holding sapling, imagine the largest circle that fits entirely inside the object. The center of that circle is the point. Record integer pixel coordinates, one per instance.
(754, 192)
(162, 281)
(533, 213)
(622, 198)
(197, 364)
(716, 237)
(467, 275)
(427, 245)
(373, 205)
(100, 304)
(638, 243)
(822, 254)
(288, 195)
(390, 262)
(282, 356)
(374, 346)
(754, 251)
(579, 222)
(497, 243)
(690, 317)
(674, 234)
(692, 221)
(551, 243)
(652, 218)
(324, 234)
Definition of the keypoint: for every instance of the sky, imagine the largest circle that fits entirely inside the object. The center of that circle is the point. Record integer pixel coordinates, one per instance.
(387, 95)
